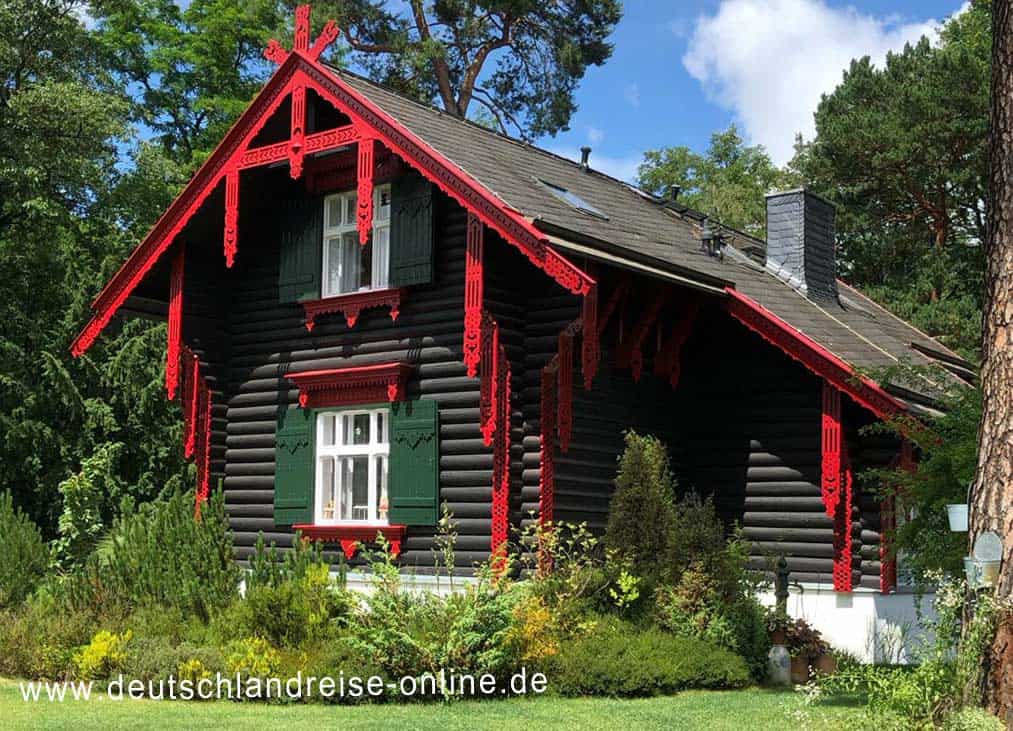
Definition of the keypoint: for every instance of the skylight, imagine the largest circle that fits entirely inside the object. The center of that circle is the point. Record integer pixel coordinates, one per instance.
(572, 199)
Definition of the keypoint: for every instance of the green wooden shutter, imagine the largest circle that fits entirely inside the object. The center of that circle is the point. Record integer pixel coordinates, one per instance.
(414, 470)
(300, 258)
(293, 467)
(411, 231)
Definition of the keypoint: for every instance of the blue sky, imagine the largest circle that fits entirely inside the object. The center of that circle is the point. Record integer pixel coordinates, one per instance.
(682, 70)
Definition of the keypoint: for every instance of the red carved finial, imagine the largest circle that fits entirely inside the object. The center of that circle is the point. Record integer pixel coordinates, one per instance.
(277, 54)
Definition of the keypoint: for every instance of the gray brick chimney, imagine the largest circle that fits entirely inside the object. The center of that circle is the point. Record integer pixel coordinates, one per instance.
(800, 242)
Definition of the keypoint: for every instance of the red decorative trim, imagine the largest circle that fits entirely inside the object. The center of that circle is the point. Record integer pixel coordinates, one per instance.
(668, 361)
(316, 142)
(175, 340)
(351, 305)
(591, 348)
(231, 215)
(275, 53)
(842, 533)
(631, 354)
(565, 426)
(356, 385)
(340, 172)
(301, 42)
(328, 35)
(203, 456)
(830, 461)
(547, 478)
(296, 144)
(618, 295)
(351, 537)
(812, 355)
(299, 68)
(191, 400)
(489, 378)
(473, 286)
(501, 465)
(365, 189)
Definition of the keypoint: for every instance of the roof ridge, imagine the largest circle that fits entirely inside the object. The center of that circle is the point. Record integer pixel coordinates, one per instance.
(475, 125)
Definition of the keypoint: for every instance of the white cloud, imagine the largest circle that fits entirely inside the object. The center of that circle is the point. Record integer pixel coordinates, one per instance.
(595, 135)
(768, 61)
(624, 168)
(632, 95)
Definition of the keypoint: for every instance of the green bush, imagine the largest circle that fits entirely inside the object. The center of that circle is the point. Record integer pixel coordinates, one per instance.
(23, 554)
(618, 659)
(155, 659)
(641, 515)
(162, 556)
(103, 656)
(39, 638)
(972, 719)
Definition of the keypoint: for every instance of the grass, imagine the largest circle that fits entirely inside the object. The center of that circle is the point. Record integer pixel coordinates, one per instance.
(712, 710)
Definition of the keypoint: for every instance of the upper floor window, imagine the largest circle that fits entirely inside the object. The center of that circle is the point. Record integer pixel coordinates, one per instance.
(348, 266)
(352, 453)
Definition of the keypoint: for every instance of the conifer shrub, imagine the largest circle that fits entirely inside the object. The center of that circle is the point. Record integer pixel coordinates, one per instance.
(24, 556)
(641, 514)
(619, 659)
(161, 556)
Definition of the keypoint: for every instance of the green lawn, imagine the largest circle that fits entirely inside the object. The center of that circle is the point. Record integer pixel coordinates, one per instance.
(714, 711)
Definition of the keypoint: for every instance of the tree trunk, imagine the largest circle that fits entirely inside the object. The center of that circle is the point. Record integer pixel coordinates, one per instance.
(992, 497)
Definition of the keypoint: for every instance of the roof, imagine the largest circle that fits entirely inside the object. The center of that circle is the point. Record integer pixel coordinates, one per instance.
(855, 328)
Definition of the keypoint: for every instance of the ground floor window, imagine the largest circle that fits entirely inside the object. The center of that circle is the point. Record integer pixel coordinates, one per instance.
(352, 451)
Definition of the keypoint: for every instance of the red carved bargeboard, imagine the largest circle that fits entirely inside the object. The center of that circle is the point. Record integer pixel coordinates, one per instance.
(351, 305)
(355, 385)
(352, 537)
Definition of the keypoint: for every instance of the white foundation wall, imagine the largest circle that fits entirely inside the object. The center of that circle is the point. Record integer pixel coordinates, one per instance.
(874, 627)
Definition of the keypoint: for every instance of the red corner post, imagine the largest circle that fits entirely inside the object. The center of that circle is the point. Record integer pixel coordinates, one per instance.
(473, 294)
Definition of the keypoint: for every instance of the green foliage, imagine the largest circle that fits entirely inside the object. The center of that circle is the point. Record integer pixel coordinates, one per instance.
(85, 494)
(641, 515)
(23, 554)
(103, 656)
(253, 657)
(619, 659)
(901, 150)
(39, 639)
(948, 453)
(728, 181)
(518, 62)
(162, 556)
(972, 719)
(269, 567)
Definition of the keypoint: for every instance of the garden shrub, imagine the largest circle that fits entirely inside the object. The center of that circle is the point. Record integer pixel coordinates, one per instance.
(641, 515)
(85, 510)
(103, 656)
(617, 658)
(972, 719)
(23, 554)
(252, 657)
(39, 639)
(162, 556)
(155, 659)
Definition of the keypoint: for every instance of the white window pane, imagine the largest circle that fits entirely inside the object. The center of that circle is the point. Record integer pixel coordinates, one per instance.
(381, 483)
(327, 487)
(366, 265)
(381, 427)
(350, 205)
(327, 430)
(355, 488)
(360, 429)
(334, 206)
(381, 256)
(334, 265)
(349, 278)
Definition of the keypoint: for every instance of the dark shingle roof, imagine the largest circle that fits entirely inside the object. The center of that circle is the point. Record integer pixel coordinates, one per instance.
(856, 329)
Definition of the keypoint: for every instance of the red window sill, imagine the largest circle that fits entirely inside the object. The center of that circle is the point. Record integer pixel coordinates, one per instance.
(352, 304)
(351, 537)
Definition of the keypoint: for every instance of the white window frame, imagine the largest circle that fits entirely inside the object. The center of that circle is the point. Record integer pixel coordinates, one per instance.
(348, 224)
(377, 448)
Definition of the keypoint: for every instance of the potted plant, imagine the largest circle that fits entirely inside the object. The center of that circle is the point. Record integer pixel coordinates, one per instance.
(778, 624)
(804, 643)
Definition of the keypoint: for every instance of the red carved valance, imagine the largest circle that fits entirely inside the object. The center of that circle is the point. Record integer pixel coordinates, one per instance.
(352, 304)
(355, 385)
(352, 537)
